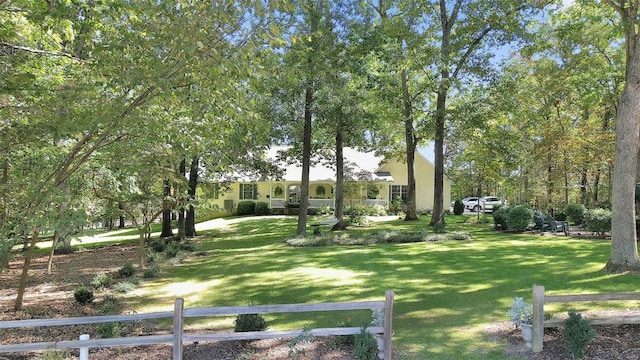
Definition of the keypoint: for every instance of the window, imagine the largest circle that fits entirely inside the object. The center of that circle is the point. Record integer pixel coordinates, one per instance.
(248, 191)
(398, 192)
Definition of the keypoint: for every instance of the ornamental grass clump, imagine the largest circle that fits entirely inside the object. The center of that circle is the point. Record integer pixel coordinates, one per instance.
(577, 335)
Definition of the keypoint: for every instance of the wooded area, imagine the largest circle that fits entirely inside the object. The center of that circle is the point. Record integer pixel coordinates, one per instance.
(112, 108)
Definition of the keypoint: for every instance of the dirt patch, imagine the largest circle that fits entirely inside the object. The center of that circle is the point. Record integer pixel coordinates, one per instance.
(611, 343)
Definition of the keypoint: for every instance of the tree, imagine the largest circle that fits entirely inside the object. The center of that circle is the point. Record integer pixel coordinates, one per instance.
(626, 170)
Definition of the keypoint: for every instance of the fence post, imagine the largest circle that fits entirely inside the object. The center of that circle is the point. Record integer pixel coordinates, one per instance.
(388, 328)
(84, 351)
(178, 327)
(538, 317)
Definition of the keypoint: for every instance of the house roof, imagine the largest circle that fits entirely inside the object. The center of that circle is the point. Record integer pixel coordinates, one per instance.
(358, 165)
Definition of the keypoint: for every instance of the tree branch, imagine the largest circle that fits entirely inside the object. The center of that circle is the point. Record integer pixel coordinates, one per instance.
(38, 51)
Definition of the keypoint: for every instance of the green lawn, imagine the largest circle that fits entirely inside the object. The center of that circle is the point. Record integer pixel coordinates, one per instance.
(446, 292)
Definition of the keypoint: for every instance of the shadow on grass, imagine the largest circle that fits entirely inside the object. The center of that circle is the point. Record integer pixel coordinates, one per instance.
(446, 292)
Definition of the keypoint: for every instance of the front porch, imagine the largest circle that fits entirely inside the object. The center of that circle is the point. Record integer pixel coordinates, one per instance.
(321, 194)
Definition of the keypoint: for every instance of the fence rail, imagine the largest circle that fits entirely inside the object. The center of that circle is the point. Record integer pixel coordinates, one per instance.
(178, 336)
(539, 299)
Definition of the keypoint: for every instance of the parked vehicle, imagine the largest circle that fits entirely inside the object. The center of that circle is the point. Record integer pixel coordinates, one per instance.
(466, 200)
(485, 203)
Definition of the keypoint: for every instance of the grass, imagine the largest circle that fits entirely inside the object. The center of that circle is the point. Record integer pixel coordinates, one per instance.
(447, 293)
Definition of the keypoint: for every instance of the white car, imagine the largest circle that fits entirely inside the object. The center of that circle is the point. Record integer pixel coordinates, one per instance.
(465, 201)
(485, 203)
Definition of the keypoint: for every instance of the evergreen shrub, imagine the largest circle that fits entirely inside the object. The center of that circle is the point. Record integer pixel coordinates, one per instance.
(500, 217)
(458, 208)
(246, 207)
(575, 212)
(577, 335)
(83, 294)
(598, 220)
(262, 208)
(250, 322)
(365, 346)
(519, 218)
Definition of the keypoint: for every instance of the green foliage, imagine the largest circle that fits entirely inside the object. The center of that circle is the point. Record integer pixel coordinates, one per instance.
(127, 270)
(83, 294)
(575, 212)
(560, 216)
(109, 330)
(577, 335)
(519, 218)
(521, 312)
(365, 346)
(458, 207)
(172, 250)
(125, 287)
(304, 338)
(262, 208)
(500, 216)
(158, 245)
(110, 305)
(150, 272)
(439, 228)
(62, 354)
(154, 257)
(246, 207)
(102, 280)
(598, 220)
(250, 322)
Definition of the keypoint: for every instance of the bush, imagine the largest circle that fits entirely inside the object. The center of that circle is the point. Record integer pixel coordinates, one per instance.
(519, 218)
(598, 220)
(150, 273)
(125, 287)
(560, 216)
(250, 322)
(83, 294)
(262, 208)
(110, 305)
(127, 270)
(365, 346)
(102, 280)
(458, 208)
(246, 207)
(158, 245)
(500, 218)
(575, 212)
(577, 335)
(109, 330)
(172, 251)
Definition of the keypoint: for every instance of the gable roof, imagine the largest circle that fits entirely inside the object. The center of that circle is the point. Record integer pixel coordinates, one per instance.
(358, 165)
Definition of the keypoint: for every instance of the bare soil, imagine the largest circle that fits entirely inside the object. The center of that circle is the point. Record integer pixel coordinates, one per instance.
(51, 296)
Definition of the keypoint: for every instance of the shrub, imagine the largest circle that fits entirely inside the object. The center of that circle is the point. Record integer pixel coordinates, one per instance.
(102, 280)
(125, 287)
(83, 294)
(109, 330)
(577, 335)
(500, 218)
(246, 207)
(575, 212)
(560, 216)
(172, 251)
(458, 208)
(365, 346)
(250, 322)
(262, 208)
(127, 270)
(55, 355)
(151, 272)
(519, 218)
(598, 220)
(110, 305)
(154, 257)
(158, 245)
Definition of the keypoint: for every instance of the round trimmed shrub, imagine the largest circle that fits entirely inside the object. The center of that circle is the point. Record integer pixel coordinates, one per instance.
(458, 208)
(519, 218)
(500, 217)
(598, 220)
(83, 294)
(246, 207)
(250, 322)
(262, 208)
(575, 212)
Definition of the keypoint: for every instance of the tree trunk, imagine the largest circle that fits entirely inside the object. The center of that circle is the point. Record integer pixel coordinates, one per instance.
(306, 159)
(24, 277)
(411, 144)
(181, 218)
(438, 148)
(624, 248)
(190, 221)
(166, 213)
(339, 193)
(121, 224)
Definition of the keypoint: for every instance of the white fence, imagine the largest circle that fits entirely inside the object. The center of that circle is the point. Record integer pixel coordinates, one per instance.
(179, 336)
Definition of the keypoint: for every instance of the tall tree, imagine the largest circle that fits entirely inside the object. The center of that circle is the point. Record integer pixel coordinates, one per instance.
(626, 170)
